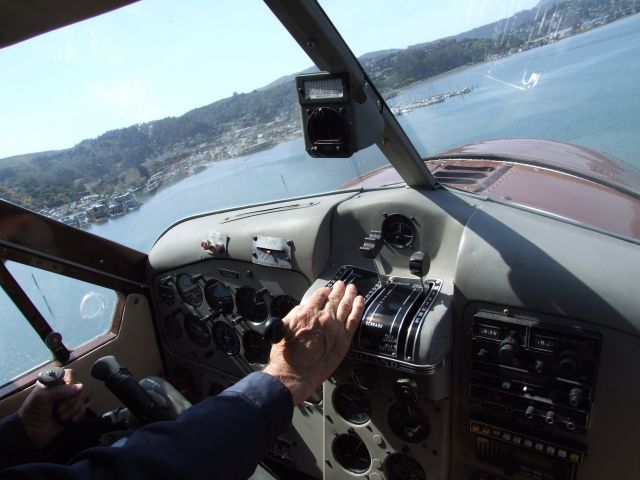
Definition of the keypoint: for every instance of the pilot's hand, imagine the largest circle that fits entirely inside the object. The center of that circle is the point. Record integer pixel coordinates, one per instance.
(319, 333)
(45, 409)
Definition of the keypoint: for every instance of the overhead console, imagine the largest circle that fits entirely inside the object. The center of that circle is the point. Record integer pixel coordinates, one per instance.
(530, 387)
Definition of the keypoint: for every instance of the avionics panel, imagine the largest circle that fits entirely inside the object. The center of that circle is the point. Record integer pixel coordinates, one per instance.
(530, 392)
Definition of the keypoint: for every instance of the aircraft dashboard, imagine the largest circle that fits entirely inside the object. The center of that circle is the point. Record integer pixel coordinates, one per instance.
(481, 357)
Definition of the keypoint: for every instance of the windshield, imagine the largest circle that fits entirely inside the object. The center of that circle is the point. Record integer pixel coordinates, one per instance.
(464, 71)
(130, 121)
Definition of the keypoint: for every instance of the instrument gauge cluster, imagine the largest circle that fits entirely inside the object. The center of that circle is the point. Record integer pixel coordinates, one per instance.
(219, 320)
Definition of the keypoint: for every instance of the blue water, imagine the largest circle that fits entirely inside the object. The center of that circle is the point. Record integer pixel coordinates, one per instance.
(588, 93)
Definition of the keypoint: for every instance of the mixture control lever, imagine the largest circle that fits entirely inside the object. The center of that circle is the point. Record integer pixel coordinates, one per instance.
(419, 265)
(372, 244)
(370, 249)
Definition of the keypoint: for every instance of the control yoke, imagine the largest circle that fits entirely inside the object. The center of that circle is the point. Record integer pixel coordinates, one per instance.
(137, 399)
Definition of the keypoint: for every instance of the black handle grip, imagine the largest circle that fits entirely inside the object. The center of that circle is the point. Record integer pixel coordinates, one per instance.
(274, 329)
(119, 380)
(51, 377)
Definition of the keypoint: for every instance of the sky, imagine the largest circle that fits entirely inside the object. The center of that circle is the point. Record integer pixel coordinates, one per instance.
(160, 58)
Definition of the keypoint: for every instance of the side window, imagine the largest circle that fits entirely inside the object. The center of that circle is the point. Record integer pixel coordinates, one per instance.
(79, 311)
(21, 349)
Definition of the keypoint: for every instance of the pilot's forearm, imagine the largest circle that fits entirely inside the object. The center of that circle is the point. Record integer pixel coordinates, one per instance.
(222, 437)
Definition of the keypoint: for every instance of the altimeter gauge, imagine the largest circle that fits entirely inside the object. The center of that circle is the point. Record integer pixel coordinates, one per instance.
(225, 338)
(219, 298)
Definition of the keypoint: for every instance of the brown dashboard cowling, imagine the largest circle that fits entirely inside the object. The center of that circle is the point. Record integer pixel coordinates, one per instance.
(554, 177)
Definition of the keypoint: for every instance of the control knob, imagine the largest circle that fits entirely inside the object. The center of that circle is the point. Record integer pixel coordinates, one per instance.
(274, 329)
(509, 348)
(52, 377)
(568, 364)
(575, 397)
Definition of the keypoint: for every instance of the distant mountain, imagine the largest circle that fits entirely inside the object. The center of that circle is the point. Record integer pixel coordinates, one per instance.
(378, 54)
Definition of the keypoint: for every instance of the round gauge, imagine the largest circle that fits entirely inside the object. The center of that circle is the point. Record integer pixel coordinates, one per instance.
(189, 291)
(219, 297)
(226, 339)
(256, 348)
(281, 305)
(251, 305)
(351, 453)
(409, 423)
(352, 403)
(172, 327)
(197, 330)
(398, 231)
(400, 466)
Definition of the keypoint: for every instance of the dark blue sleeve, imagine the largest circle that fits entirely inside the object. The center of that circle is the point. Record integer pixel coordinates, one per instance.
(222, 437)
(15, 445)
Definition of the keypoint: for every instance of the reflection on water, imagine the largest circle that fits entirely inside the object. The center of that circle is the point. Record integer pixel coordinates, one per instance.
(586, 92)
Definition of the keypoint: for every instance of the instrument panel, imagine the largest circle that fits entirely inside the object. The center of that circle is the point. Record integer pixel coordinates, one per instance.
(214, 313)
(421, 394)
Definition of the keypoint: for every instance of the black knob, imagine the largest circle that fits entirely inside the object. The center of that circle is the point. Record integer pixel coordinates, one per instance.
(104, 368)
(419, 264)
(118, 379)
(550, 417)
(575, 397)
(51, 377)
(483, 354)
(568, 364)
(509, 348)
(274, 329)
(530, 412)
(372, 244)
(406, 391)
